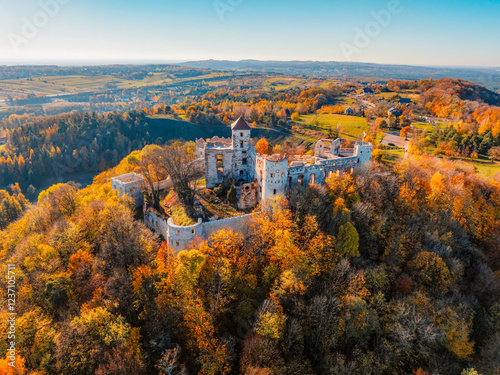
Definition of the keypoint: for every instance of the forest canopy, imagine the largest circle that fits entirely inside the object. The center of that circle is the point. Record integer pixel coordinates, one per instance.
(376, 273)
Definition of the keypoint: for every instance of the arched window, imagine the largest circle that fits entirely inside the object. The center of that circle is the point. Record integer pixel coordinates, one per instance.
(312, 179)
(275, 191)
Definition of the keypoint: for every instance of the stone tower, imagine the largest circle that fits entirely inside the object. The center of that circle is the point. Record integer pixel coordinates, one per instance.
(272, 174)
(243, 168)
(363, 150)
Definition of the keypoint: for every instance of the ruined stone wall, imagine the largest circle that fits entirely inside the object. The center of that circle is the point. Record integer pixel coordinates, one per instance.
(181, 236)
(327, 147)
(130, 184)
(248, 195)
(156, 223)
(218, 165)
(363, 150)
(307, 174)
(238, 224)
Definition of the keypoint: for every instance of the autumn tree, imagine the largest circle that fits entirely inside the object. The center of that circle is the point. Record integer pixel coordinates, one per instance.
(494, 153)
(179, 161)
(151, 166)
(262, 147)
(405, 132)
(348, 241)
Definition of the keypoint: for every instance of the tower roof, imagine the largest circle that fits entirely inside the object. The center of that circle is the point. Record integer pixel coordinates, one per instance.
(240, 124)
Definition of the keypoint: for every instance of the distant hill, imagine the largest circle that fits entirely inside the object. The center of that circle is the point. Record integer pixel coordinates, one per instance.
(489, 77)
(468, 91)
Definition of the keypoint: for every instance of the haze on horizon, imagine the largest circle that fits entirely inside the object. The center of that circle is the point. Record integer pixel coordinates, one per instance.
(449, 32)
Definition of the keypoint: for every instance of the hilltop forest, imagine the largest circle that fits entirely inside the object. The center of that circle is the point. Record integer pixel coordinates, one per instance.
(376, 273)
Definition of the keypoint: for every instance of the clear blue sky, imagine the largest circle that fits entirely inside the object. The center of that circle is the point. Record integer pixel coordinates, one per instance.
(422, 32)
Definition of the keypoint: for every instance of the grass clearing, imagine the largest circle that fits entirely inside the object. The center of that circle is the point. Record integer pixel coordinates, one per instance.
(280, 84)
(352, 127)
(484, 166)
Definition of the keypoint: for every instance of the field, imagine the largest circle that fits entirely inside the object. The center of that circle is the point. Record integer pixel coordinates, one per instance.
(351, 127)
(429, 127)
(280, 84)
(485, 167)
(59, 85)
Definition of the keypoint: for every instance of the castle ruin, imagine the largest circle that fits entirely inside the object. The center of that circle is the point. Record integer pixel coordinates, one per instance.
(258, 178)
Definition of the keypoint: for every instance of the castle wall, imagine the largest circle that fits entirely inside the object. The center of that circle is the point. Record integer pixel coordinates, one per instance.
(326, 147)
(238, 224)
(130, 184)
(218, 165)
(307, 174)
(156, 223)
(248, 195)
(180, 236)
(363, 150)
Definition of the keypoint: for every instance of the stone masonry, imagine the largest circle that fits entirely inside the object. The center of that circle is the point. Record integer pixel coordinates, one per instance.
(258, 178)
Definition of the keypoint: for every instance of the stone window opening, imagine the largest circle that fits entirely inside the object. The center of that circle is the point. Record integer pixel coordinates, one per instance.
(241, 173)
(192, 231)
(241, 134)
(177, 243)
(283, 175)
(244, 161)
(272, 175)
(274, 192)
(177, 231)
(241, 144)
(312, 179)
